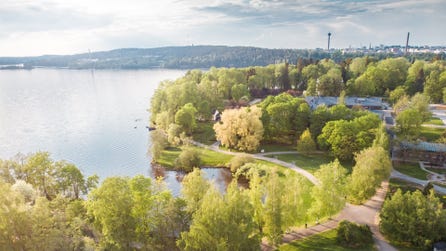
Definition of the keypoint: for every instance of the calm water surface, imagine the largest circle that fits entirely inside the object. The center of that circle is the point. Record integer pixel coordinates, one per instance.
(96, 120)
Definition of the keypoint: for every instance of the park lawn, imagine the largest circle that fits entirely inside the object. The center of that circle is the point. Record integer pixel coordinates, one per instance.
(434, 121)
(320, 242)
(437, 170)
(168, 156)
(212, 158)
(431, 134)
(277, 148)
(208, 157)
(204, 133)
(311, 162)
(286, 173)
(411, 169)
(405, 186)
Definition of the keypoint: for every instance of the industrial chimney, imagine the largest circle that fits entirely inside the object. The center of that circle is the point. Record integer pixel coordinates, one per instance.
(329, 35)
(407, 43)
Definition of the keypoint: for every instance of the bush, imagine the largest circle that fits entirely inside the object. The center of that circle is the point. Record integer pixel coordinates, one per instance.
(353, 235)
(188, 159)
(159, 143)
(238, 161)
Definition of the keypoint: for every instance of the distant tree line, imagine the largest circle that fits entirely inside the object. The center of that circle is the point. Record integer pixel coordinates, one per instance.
(190, 57)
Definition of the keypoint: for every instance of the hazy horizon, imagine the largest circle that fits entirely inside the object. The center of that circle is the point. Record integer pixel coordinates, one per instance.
(57, 27)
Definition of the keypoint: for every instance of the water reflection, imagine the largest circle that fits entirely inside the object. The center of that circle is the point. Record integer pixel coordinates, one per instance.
(95, 120)
(220, 177)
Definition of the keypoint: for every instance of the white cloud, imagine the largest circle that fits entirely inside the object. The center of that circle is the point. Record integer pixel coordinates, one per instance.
(34, 27)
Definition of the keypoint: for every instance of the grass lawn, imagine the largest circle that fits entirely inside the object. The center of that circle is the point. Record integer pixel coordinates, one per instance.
(311, 162)
(321, 242)
(437, 170)
(431, 134)
(211, 158)
(208, 157)
(394, 184)
(278, 148)
(204, 133)
(405, 186)
(168, 157)
(434, 121)
(411, 169)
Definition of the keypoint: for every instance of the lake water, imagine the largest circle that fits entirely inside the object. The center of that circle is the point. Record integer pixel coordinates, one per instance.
(94, 119)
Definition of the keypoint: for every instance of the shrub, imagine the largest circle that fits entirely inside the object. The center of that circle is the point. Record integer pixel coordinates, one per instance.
(353, 235)
(188, 159)
(238, 161)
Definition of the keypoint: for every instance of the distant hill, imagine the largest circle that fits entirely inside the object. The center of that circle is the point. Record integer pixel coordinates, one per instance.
(185, 57)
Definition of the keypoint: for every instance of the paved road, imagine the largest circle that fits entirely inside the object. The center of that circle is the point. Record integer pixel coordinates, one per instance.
(308, 175)
(397, 175)
(363, 214)
(368, 213)
(291, 166)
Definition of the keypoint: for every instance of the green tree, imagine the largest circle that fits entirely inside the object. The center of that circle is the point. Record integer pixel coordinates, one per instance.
(282, 76)
(185, 117)
(330, 84)
(241, 129)
(239, 91)
(154, 210)
(273, 209)
(444, 95)
(311, 88)
(240, 160)
(420, 102)
(396, 94)
(344, 138)
(306, 144)
(71, 181)
(222, 223)
(353, 235)
(15, 220)
(40, 171)
(26, 190)
(415, 77)
(188, 159)
(318, 118)
(373, 165)
(159, 143)
(408, 124)
(414, 218)
(382, 138)
(284, 117)
(193, 189)
(329, 195)
(358, 66)
(110, 205)
(435, 83)
(163, 120)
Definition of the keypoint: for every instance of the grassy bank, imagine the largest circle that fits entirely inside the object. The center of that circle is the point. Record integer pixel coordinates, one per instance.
(411, 169)
(311, 162)
(208, 157)
(321, 242)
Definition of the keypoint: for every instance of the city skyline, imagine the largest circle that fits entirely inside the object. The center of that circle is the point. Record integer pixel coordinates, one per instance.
(31, 28)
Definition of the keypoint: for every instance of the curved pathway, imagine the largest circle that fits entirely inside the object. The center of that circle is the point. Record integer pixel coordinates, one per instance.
(305, 173)
(366, 213)
(397, 175)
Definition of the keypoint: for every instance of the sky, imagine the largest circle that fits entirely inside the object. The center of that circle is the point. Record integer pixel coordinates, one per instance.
(41, 27)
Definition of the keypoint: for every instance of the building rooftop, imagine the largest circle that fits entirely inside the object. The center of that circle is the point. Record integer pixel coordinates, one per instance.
(424, 146)
(372, 103)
